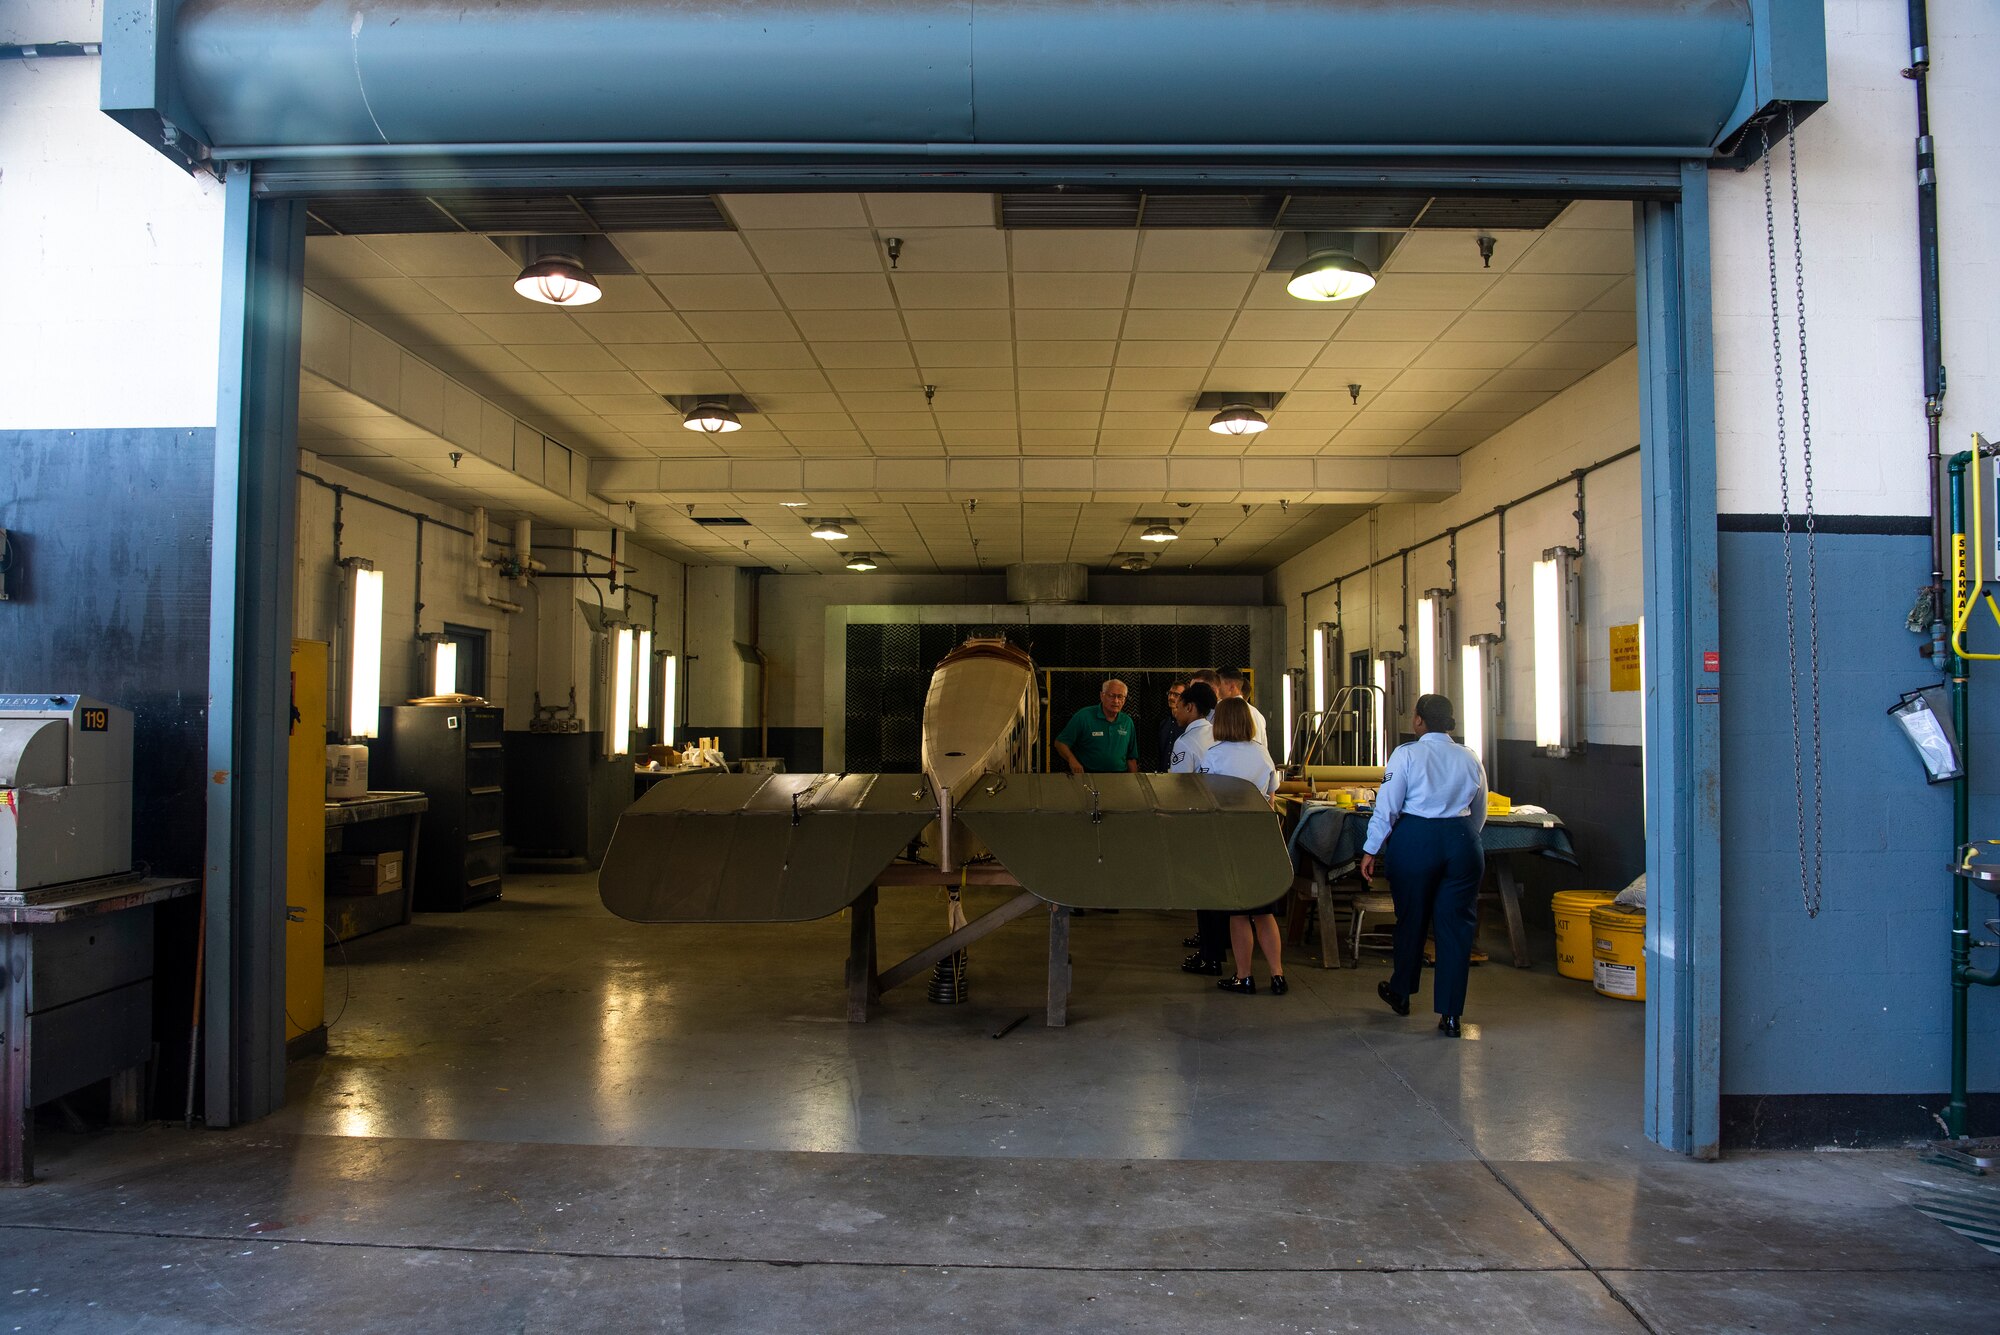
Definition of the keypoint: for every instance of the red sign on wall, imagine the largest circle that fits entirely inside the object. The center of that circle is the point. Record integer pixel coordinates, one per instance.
(1711, 661)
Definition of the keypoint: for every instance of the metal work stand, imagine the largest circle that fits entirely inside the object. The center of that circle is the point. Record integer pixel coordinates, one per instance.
(866, 984)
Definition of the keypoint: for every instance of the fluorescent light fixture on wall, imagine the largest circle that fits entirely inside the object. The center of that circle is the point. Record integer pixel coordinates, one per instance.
(1388, 703)
(618, 735)
(670, 670)
(642, 691)
(1479, 700)
(443, 673)
(1325, 645)
(364, 647)
(1288, 705)
(1435, 639)
(1559, 655)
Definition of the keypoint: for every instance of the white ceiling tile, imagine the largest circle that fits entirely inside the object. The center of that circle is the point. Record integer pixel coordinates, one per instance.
(754, 383)
(982, 353)
(1545, 292)
(1520, 377)
(1061, 401)
(920, 209)
(829, 421)
(955, 325)
(519, 330)
(751, 212)
(1449, 250)
(1006, 419)
(801, 403)
(967, 440)
(637, 327)
(741, 326)
(1576, 250)
(662, 356)
(346, 257)
(1201, 250)
(446, 255)
(911, 421)
(1269, 356)
(1176, 352)
(689, 380)
(718, 292)
(1514, 401)
(1348, 358)
(1181, 324)
(964, 399)
(1067, 353)
(686, 252)
(1430, 379)
(1503, 326)
(1320, 325)
(1428, 292)
(908, 400)
(1618, 328)
(1078, 250)
(1057, 325)
(1180, 379)
(827, 442)
(1620, 296)
(950, 291)
(816, 250)
(851, 324)
(1067, 291)
(1180, 291)
(952, 250)
(865, 380)
(1064, 377)
(862, 355)
(1610, 214)
(905, 442)
(616, 406)
(761, 356)
(1058, 421)
(1159, 420)
(1058, 439)
(581, 356)
(1467, 356)
(1565, 356)
(958, 379)
(1386, 326)
(596, 382)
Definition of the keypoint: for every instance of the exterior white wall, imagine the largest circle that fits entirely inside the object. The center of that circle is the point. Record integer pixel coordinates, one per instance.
(453, 585)
(114, 255)
(1858, 208)
(1594, 419)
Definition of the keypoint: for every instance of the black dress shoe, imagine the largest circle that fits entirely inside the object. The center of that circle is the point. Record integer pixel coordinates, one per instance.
(1191, 942)
(1396, 1001)
(1448, 1026)
(1245, 986)
(1196, 964)
(1279, 986)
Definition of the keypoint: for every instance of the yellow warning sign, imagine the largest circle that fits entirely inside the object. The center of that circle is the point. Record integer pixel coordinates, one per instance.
(1625, 657)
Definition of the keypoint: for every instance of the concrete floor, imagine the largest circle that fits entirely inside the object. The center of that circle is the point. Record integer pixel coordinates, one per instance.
(536, 1117)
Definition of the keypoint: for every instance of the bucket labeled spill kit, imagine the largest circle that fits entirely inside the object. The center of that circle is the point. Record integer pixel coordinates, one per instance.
(1572, 912)
(1618, 952)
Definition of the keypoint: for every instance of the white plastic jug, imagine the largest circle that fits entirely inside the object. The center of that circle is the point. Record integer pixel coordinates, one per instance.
(346, 772)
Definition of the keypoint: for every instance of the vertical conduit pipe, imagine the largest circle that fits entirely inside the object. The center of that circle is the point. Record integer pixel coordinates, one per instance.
(1929, 298)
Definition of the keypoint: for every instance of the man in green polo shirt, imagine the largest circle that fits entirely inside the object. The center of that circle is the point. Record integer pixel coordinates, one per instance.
(1101, 738)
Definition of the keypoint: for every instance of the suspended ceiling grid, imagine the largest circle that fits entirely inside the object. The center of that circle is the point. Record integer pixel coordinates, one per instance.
(1087, 342)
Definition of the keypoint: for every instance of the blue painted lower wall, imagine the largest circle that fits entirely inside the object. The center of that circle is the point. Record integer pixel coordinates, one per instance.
(1835, 1012)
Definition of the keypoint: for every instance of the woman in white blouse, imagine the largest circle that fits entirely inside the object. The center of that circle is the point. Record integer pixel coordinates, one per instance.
(1237, 754)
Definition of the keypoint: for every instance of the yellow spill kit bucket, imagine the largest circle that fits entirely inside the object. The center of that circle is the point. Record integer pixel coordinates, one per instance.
(1572, 910)
(1618, 952)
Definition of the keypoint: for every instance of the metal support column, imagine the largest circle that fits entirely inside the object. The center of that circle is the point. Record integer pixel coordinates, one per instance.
(1682, 706)
(249, 666)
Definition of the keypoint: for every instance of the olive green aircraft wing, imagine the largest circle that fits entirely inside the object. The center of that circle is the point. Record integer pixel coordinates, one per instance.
(758, 848)
(1133, 841)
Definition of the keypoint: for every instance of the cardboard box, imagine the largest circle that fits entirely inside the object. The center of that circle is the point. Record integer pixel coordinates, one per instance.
(364, 873)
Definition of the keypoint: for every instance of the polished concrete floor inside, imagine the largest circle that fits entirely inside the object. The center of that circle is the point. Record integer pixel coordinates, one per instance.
(536, 1117)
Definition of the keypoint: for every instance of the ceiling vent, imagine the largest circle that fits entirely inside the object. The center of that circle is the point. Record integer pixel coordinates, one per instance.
(514, 215)
(1028, 209)
(722, 521)
(1047, 582)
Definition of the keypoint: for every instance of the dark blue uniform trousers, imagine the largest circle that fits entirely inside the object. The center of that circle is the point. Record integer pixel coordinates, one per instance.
(1435, 865)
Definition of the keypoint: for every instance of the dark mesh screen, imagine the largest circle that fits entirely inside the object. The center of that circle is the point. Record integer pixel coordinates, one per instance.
(889, 672)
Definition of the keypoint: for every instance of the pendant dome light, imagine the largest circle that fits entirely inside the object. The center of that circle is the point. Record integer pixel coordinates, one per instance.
(712, 419)
(861, 561)
(1133, 565)
(558, 280)
(1238, 419)
(1160, 533)
(1330, 275)
(829, 529)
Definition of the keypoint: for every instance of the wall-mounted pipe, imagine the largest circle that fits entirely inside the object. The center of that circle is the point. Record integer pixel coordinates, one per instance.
(1929, 294)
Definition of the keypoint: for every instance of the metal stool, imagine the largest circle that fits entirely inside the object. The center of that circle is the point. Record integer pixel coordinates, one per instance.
(1365, 903)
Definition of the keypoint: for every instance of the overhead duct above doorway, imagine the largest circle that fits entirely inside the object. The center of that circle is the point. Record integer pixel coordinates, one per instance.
(1047, 582)
(832, 78)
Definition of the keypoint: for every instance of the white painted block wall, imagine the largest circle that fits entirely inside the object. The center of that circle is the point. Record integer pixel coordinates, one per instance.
(114, 255)
(1592, 420)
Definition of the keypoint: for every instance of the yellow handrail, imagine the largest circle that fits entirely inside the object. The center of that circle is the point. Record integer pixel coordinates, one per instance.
(1961, 602)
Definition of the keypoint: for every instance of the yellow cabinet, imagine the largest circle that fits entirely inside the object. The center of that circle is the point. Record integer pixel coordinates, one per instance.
(305, 876)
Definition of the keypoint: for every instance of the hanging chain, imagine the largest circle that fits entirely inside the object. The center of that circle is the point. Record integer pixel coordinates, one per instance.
(1809, 865)
(1812, 526)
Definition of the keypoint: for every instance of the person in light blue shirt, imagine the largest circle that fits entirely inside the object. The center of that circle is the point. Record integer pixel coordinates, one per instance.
(1236, 753)
(1197, 703)
(1428, 815)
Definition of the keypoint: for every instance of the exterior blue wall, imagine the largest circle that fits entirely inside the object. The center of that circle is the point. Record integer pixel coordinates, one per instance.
(1855, 1002)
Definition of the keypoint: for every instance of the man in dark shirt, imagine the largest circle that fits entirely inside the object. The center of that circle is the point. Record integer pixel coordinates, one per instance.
(1170, 727)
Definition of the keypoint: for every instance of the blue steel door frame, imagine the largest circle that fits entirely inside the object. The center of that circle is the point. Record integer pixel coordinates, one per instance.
(256, 452)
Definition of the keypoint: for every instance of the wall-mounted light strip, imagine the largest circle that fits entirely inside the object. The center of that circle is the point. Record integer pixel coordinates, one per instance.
(1558, 652)
(618, 736)
(642, 694)
(670, 667)
(1435, 638)
(364, 648)
(444, 666)
(1479, 705)
(1388, 703)
(1285, 740)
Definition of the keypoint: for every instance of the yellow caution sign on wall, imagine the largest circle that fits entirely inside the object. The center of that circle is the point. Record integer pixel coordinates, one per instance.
(1625, 657)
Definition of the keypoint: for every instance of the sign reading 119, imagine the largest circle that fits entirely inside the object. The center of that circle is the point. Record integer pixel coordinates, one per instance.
(95, 720)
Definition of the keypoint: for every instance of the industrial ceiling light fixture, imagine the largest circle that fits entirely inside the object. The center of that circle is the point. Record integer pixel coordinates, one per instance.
(558, 280)
(860, 561)
(1160, 533)
(829, 529)
(1238, 419)
(712, 419)
(1135, 564)
(1331, 275)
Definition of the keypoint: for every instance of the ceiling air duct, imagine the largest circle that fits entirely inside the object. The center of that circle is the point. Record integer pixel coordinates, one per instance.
(1047, 582)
